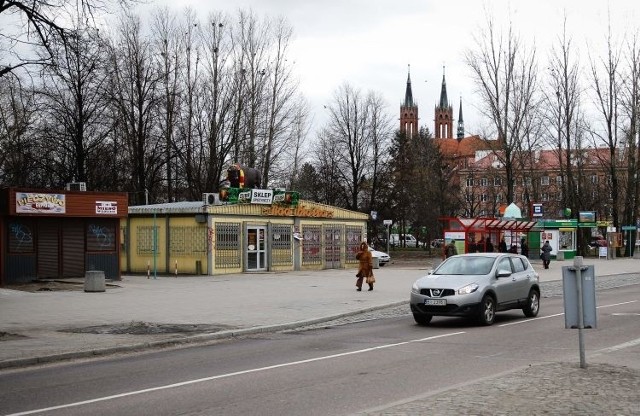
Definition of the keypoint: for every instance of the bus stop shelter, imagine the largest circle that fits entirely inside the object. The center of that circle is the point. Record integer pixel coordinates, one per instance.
(479, 232)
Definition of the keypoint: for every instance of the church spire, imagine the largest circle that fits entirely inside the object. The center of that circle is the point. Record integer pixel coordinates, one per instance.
(409, 111)
(460, 123)
(408, 95)
(443, 114)
(444, 101)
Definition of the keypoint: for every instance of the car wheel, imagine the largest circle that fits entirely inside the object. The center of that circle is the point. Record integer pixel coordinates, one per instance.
(533, 304)
(487, 310)
(422, 319)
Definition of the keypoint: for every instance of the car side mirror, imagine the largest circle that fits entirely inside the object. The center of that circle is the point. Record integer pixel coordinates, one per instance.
(503, 273)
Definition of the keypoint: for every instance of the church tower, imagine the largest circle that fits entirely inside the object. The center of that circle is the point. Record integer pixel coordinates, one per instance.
(409, 112)
(460, 135)
(443, 114)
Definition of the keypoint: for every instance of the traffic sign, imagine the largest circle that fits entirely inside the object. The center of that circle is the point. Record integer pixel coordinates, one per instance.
(387, 222)
(628, 227)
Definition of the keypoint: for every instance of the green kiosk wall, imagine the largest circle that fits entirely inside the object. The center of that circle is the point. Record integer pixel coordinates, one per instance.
(561, 234)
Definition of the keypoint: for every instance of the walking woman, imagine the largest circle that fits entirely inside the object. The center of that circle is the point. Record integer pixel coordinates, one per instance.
(365, 269)
(546, 254)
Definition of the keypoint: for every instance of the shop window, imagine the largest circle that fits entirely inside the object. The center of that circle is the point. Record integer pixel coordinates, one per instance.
(311, 245)
(147, 241)
(188, 240)
(354, 238)
(227, 245)
(281, 245)
(566, 240)
(20, 237)
(101, 236)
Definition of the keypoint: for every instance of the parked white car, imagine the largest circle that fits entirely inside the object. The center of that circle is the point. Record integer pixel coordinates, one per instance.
(383, 258)
(409, 240)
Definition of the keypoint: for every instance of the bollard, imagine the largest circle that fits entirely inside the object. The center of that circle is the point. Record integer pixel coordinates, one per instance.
(176, 269)
(148, 269)
(94, 281)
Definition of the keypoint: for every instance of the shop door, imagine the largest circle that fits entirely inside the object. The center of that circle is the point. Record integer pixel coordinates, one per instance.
(332, 246)
(256, 248)
(73, 249)
(48, 249)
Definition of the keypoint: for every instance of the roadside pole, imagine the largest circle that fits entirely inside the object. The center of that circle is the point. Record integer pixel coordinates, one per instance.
(578, 284)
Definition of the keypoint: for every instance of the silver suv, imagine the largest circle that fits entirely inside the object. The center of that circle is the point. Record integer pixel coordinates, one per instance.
(477, 285)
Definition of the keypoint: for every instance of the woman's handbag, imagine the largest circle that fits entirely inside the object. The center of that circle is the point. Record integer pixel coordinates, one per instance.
(371, 280)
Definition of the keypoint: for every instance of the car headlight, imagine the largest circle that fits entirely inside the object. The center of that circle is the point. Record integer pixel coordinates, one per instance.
(468, 289)
(415, 289)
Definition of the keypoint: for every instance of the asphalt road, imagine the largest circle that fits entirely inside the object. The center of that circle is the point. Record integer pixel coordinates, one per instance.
(329, 370)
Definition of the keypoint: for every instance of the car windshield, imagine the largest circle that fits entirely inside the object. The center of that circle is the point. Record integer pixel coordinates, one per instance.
(466, 265)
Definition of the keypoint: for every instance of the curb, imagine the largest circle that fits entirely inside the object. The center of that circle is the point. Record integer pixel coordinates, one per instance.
(195, 339)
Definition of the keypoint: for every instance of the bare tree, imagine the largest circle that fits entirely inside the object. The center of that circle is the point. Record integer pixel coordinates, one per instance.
(215, 102)
(19, 156)
(631, 111)
(42, 23)
(357, 129)
(134, 85)
(563, 104)
(167, 36)
(73, 128)
(506, 76)
(282, 107)
(607, 82)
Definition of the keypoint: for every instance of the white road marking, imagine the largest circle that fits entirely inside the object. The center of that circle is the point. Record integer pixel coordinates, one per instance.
(532, 319)
(625, 314)
(560, 314)
(237, 373)
(619, 347)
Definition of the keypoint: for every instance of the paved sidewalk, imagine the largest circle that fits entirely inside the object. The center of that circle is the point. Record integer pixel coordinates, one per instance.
(33, 325)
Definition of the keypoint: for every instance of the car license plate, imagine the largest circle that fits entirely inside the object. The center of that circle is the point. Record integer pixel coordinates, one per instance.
(435, 302)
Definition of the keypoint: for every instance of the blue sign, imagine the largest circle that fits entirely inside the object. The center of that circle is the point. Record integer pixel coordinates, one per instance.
(537, 210)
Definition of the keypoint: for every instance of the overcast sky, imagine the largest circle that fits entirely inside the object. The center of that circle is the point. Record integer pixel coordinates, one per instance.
(369, 43)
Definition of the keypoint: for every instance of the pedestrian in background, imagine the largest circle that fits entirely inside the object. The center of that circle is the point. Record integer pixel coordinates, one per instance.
(365, 268)
(524, 248)
(488, 245)
(451, 249)
(502, 246)
(546, 254)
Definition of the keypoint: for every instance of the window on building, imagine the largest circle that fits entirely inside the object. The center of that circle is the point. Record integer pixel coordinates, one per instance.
(470, 182)
(544, 180)
(483, 182)
(497, 181)
(527, 181)
(558, 180)
(545, 196)
(147, 241)
(483, 198)
(101, 236)
(594, 179)
(20, 237)
(498, 197)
